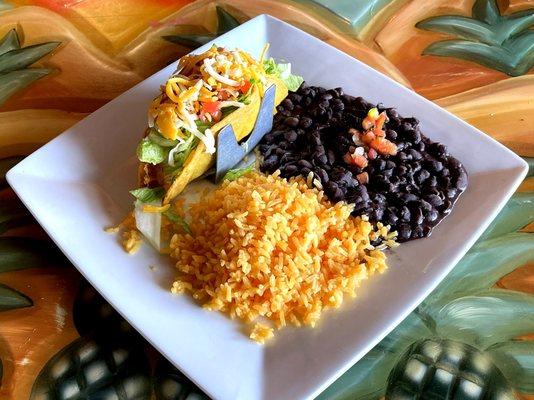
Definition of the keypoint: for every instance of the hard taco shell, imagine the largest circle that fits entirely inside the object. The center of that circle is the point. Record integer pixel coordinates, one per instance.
(198, 162)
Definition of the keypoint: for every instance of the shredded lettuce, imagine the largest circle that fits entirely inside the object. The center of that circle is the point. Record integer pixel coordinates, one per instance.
(151, 152)
(155, 149)
(202, 126)
(148, 195)
(283, 71)
(293, 82)
(177, 220)
(149, 224)
(234, 174)
(182, 151)
(270, 67)
(155, 137)
(245, 97)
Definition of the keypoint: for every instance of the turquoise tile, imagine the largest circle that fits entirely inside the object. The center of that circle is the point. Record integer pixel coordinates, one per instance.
(356, 12)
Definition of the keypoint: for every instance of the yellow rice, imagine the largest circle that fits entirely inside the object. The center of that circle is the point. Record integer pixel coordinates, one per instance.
(265, 247)
(131, 238)
(261, 333)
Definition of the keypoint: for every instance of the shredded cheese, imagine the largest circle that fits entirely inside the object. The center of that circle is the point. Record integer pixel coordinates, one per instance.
(150, 208)
(215, 75)
(209, 142)
(264, 53)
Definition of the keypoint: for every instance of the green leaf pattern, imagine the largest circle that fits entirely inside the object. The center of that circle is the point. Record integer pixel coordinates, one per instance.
(15, 81)
(11, 299)
(17, 59)
(14, 60)
(225, 23)
(485, 318)
(18, 253)
(503, 43)
(516, 359)
(9, 42)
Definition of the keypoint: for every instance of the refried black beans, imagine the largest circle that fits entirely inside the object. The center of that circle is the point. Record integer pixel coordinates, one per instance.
(375, 159)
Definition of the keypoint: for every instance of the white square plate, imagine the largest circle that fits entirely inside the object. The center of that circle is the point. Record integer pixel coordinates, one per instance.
(78, 184)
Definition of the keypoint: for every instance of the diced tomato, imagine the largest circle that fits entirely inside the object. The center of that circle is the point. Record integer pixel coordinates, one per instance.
(224, 95)
(363, 178)
(359, 161)
(211, 106)
(245, 87)
(384, 146)
(379, 133)
(355, 159)
(368, 137)
(367, 123)
(379, 123)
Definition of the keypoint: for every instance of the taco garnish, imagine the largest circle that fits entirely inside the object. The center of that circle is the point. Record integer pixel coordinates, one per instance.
(207, 92)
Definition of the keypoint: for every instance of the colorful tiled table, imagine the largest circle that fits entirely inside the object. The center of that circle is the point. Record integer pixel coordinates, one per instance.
(62, 59)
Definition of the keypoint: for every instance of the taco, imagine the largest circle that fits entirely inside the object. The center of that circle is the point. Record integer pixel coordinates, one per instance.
(207, 92)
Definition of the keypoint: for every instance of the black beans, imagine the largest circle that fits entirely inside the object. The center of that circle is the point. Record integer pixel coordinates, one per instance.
(305, 122)
(320, 158)
(422, 175)
(292, 122)
(362, 192)
(411, 191)
(294, 97)
(290, 136)
(433, 165)
(431, 216)
(417, 216)
(425, 205)
(432, 181)
(404, 231)
(409, 197)
(405, 214)
(461, 180)
(338, 105)
(391, 218)
(287, 104)
(305, 164)
(437, 149)
(392, 113)
(323, 176)
(415, 154)
(434, 200)
(270, 162)
(417, 232)
(451, 193)
(391, 134)
(291, 169)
